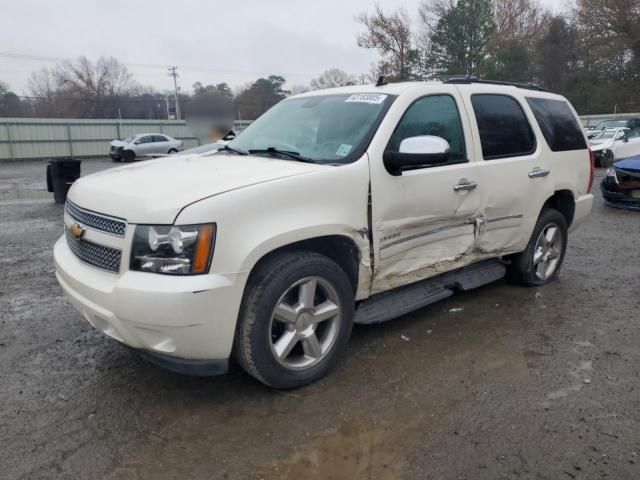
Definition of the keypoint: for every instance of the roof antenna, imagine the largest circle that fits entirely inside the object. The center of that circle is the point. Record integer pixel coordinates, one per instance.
(381, 81)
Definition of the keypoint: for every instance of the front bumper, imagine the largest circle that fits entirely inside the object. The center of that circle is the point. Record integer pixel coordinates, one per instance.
(179, 321)
(617, 197)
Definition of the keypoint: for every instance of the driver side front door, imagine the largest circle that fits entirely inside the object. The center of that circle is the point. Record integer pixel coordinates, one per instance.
(423, 220)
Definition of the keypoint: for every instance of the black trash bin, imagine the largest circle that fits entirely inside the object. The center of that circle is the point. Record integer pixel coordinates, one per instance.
(61, 173)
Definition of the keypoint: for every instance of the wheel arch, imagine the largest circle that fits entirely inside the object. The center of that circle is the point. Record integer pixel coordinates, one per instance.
(342, 249)
(564, 202)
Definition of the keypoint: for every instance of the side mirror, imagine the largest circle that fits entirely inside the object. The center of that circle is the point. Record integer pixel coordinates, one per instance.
(424, 150)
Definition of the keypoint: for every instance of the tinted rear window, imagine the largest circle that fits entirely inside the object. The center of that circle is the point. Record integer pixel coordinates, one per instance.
(558, 124)
(504, 128)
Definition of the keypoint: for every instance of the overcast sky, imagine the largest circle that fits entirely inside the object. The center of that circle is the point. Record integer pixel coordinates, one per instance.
(211, 41)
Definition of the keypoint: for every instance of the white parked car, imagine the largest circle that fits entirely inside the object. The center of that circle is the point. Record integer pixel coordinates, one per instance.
(341, 206)
(614, 144)
(143, 144)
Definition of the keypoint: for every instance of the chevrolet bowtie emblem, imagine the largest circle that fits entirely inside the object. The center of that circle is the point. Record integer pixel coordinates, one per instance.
(77, 231)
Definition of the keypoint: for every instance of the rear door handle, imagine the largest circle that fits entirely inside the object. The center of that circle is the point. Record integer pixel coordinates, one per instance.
(465, 186)
(538, 172)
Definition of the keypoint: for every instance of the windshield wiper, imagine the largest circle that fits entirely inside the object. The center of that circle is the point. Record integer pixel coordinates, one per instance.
(283, 153)
(227, 148)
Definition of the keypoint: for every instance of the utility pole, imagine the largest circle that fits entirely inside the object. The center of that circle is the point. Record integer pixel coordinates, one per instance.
(174, 73)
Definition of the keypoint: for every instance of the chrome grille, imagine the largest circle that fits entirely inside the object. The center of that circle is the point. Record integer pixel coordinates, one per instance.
(97, 221)
(99, 256)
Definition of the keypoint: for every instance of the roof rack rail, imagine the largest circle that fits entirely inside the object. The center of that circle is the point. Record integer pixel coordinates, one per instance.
(476, 79)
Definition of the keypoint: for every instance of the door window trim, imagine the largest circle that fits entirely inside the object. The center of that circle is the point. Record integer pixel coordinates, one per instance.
(443, 164)
(524, 114)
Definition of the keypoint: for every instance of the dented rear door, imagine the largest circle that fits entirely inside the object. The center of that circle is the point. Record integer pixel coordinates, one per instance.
(422, 222)
(514, 167)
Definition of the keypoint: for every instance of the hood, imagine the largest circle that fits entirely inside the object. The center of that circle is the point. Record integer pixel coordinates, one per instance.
(599, 144)
(117, 143)
(630, 163)
(155, 191)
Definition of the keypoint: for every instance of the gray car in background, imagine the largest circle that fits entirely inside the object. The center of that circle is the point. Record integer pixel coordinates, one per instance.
(143, 144)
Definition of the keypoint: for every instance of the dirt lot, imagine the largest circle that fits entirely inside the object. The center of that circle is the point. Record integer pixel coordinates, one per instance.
(522, 383)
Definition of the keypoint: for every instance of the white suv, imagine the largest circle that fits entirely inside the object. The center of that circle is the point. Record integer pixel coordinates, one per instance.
(351, 205)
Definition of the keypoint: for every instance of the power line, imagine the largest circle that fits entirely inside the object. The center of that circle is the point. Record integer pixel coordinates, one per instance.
(19, 56)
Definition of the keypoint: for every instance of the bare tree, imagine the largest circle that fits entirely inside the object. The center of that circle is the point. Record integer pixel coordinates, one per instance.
(391, 35)
(517, 20)
(331, 78)
(607, 21)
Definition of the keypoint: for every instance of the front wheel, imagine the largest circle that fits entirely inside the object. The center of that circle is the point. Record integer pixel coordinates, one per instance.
(172, 151)
(128, 155)
(295, 320)
(541, 261)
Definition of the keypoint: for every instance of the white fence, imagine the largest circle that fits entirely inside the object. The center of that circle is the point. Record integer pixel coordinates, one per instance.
(32, 138)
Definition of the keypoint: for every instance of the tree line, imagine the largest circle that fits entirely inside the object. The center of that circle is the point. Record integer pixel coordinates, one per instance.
(591, 54)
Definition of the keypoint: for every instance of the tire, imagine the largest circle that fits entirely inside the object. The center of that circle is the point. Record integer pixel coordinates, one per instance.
(524, 269)
(285, 281)
(128, 155)
(172, 151)
(116, 159)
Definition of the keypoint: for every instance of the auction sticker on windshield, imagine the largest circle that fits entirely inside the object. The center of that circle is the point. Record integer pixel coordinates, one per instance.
(376, 98)
(343, 150)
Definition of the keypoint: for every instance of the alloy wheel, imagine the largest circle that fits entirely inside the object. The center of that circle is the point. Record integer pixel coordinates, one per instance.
(548, 250)
(305, 323)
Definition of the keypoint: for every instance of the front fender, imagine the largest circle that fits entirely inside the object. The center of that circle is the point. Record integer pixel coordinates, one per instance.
(256, 220)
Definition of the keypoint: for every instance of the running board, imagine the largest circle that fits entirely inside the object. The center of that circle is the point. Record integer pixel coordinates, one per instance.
(395, 303)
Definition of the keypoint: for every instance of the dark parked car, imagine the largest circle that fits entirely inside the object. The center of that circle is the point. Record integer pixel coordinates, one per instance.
(621, 185)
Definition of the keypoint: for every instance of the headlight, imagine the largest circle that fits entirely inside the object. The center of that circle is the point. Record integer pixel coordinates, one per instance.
(611, 173)
(173, 249)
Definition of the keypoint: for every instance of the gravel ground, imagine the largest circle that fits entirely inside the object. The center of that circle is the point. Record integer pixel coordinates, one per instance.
(538, 383)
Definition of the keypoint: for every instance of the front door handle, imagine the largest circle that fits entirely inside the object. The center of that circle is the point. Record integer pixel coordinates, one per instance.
(538, 172)
(465, 186)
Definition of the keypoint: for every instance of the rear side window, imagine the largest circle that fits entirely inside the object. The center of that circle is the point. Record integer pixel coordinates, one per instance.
(504, 129)
(558, 124)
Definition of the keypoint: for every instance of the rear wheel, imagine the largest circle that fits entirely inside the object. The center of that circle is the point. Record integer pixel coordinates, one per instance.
(295, 320)
(540, 263)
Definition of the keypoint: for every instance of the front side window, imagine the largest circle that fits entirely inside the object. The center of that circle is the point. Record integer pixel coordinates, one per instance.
(559, 126)
(435, 115)
(320, 128)
(147, 139)
(503, 126)
(159, 138)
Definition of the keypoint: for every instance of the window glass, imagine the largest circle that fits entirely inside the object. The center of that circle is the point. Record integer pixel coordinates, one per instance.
(322, 128)
(504, 129)
(633, 133)
(159, 138)
(435, 115)
(146, 139)
(558, 124)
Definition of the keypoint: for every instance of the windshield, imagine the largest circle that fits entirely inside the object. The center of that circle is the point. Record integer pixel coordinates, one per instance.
(611, 124)
(324, 129)
(128, 139)
(609, 133)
